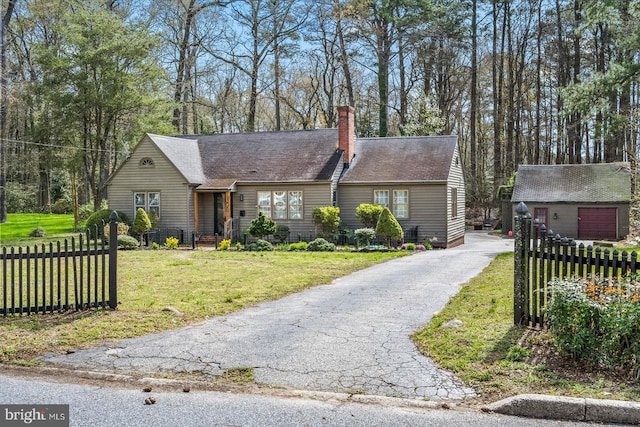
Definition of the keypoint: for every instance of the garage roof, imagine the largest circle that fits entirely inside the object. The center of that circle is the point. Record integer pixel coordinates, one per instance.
(591, 183)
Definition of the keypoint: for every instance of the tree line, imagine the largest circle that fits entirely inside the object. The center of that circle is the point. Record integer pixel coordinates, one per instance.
(519, 81)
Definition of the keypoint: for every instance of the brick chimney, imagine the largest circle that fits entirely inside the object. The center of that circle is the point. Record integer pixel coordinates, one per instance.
(346, 132)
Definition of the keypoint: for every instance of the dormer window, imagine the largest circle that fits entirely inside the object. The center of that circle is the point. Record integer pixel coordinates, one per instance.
(146, 163)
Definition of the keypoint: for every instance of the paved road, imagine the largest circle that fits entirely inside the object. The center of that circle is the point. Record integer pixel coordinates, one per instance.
(349, 336)
(100, 406)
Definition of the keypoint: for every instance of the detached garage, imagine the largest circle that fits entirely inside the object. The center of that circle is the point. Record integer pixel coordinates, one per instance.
(587, 202)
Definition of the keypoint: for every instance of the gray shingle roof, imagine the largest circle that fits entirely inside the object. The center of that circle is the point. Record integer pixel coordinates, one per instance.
(406, 159)
(184, 154)
(287, 156)
(593, 183)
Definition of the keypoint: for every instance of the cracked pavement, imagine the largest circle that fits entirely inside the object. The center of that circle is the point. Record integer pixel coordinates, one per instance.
(352, 335)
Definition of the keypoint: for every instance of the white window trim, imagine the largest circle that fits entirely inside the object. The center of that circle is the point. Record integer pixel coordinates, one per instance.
(146, 206)
(288, 205)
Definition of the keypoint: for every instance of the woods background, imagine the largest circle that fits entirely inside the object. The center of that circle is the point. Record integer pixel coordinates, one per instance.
(521, 81)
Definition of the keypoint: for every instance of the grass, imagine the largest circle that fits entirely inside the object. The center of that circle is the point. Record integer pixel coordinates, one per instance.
(499, 359)
(15, 232)
(199, 284)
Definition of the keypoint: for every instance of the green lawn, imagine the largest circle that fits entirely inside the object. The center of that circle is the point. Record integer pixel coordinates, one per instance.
(200, 284)
(15, 232)
(499, 359)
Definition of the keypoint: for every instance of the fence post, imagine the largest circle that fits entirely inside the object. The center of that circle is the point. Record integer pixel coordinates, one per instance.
(520, 270)
(113, 260)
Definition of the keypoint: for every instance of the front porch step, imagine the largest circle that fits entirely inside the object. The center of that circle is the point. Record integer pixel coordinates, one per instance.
(210, 240)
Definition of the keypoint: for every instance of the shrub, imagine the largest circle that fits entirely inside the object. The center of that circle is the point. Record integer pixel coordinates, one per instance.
(259, 246)
(85, 211)
(127, 242)
(38, 232)
(123, 229)
(97, 219)
(281, 234)
(261, 226)
(224, 245)
(153, 218)
(327, 218)
(388, 227)
(364, 236)
(368, 214)
(141, 224)
(61, 206)
(171, 243)
(298, 246)
(321, 245)
(409, 246)
(597, 320)
(21, 198)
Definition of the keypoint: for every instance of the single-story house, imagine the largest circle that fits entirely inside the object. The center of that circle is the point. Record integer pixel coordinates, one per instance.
(216, 184)
(588, 201)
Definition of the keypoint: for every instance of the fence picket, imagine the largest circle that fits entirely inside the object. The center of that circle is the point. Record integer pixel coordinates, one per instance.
(38, 280)
(556, 257)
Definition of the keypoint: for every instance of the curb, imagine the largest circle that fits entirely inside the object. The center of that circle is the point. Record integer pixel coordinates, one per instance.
(568, 408)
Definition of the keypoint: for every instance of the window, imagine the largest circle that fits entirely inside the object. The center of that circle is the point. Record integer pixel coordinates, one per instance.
(401, 203)
(281, 204)
(150, 202)
(454, 203)
(146, 163)
(264, 203)
(381, 197)
(295, 204)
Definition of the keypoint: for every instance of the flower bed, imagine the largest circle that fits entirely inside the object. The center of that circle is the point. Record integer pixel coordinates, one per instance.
(598, 320)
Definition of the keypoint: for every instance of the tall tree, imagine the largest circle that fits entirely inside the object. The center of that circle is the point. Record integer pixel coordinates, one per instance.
(4, 24)
(101, 81)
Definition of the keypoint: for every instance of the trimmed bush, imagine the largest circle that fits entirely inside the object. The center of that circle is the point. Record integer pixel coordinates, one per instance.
(261, 226)
(368, 214)
(259, 246)
(123, 230)
(389, 227)
(364, 236)
(224, 245)
(141, 224)
(97, 219)
(321, 245)
(127, 242)
(327, 219)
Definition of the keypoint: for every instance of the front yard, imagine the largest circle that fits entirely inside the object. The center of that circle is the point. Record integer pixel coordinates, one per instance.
(198, 284)
(499, 359)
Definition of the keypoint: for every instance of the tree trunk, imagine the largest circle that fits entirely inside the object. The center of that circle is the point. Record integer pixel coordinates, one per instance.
(4, 23)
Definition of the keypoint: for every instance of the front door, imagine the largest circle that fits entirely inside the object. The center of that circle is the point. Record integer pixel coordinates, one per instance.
(218, 213)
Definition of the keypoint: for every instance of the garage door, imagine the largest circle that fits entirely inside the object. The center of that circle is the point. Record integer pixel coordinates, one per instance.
(598, 223)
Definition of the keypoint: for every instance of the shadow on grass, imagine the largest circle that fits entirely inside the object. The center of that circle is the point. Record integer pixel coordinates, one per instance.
(501, 348)
(38, 322)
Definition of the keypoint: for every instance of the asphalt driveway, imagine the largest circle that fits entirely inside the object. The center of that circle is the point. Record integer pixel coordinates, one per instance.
(348, 336)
